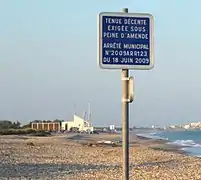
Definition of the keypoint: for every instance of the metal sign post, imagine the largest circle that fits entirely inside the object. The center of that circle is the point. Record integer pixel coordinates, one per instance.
(125, 120)
(125, 41)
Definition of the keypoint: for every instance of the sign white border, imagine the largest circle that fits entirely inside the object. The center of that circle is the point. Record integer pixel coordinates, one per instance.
(122, 66)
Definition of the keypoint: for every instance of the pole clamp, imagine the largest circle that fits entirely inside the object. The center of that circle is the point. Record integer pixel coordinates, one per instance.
(125, 100)
(125, 79)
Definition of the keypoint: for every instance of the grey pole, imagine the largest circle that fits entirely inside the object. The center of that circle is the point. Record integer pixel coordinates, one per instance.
(125, 120)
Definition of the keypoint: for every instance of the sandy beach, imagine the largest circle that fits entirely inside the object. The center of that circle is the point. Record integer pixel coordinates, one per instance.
(74, 157)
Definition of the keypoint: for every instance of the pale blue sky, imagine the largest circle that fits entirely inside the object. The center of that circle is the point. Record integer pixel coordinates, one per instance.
(49, 62)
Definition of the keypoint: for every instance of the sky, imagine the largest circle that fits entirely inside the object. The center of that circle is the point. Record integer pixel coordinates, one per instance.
(48, 63)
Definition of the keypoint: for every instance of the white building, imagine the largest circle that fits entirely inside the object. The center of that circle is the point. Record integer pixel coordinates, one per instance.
(78, 123)
(112, 127)
(187, 126)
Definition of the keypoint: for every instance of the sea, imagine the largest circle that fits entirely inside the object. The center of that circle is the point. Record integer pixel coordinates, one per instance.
(189, 140)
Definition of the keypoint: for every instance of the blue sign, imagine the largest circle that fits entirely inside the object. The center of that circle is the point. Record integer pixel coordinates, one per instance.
(126, 41)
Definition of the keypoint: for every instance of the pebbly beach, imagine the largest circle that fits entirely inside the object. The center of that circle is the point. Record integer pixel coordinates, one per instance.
(78, 156)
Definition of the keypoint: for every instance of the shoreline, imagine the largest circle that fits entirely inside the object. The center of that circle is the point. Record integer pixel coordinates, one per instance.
(158, 144)
(166, 145)
(68, 156)
(135, 140)
(162, 145)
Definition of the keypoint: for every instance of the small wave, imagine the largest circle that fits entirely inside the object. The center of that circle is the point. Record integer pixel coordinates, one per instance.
(188, 143)
(152, 136)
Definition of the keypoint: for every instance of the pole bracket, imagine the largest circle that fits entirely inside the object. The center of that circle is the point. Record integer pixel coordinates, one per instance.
(125, 100)
(125, 79)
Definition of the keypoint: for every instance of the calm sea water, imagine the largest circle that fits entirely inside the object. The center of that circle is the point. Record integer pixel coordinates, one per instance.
(189, 139)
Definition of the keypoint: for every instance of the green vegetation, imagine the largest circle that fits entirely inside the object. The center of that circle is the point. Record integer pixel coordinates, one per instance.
(15, 128)
(9, 125)
(23, 132)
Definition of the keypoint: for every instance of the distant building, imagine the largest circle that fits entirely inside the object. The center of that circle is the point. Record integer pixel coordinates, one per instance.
(155, 127)
(78, 124)
(46, 126)
(193, 125)
(112, 127)
(187, 126)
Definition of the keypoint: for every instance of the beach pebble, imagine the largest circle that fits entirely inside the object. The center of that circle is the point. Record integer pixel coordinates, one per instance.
(56, 158)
